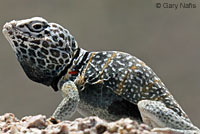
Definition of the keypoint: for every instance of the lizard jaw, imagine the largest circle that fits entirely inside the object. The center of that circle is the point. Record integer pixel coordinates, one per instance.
(8, 31)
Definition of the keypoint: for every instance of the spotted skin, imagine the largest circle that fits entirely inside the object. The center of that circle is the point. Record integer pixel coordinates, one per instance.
(42, 52)
(109, 84)
(156, 114)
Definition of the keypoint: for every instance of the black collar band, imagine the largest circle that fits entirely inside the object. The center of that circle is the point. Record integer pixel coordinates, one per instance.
(56, 80)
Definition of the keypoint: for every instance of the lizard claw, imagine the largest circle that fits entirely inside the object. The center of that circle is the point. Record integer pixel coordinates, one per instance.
(53, 120)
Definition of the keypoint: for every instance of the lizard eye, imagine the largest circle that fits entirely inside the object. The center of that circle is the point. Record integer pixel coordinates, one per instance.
(37, 26)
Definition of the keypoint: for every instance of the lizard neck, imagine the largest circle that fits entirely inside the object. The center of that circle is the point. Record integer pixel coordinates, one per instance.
(79, 63)
(72, 70)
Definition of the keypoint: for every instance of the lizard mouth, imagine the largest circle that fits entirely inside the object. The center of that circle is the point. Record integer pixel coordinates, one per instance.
(8, 31)
(14, 35)
(9, 28)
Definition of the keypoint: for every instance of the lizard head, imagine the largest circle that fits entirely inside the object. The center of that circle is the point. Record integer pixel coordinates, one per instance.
(43, 49)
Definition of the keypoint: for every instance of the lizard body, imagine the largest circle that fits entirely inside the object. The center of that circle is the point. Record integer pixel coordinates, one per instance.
(109, 84)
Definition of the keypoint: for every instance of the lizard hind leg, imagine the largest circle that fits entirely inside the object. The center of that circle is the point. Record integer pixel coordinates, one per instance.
(163, 119)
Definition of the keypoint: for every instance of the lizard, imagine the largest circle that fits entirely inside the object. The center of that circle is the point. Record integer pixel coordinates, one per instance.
(108, 84)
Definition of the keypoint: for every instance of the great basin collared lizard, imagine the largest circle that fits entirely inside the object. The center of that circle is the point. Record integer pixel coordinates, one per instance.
(108, 84)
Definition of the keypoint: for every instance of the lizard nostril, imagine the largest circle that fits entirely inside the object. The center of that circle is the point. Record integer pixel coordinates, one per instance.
(13, 23)
(9, 26)
(7, 29)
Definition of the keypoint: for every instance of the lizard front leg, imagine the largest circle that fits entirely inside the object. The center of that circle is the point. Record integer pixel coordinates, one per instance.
(163, 119)
(68, 105)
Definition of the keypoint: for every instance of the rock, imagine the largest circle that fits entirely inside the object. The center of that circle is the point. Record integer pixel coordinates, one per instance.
(9, 124)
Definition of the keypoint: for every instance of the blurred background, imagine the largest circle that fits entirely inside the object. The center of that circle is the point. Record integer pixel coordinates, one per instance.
(168, 40)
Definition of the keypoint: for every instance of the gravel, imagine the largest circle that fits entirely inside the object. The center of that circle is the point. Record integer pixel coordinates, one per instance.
(39, 124)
